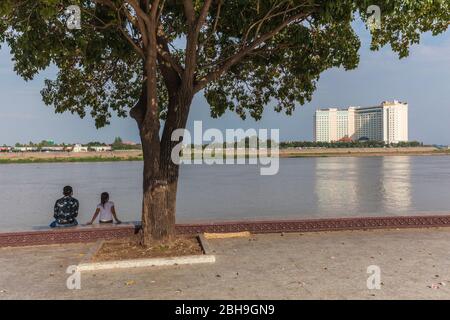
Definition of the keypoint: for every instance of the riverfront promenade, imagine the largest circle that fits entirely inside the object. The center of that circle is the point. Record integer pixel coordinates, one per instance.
(325, 265)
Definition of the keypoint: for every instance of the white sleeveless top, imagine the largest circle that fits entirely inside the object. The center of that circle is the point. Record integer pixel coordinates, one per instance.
(105, 212)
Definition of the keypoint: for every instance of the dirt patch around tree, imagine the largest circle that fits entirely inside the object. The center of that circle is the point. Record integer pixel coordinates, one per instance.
(130, 249)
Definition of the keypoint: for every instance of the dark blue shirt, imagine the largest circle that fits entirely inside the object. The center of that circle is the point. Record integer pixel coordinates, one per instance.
(66, 210)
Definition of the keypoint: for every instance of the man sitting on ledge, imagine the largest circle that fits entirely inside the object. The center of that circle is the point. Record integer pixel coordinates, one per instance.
(66, 210)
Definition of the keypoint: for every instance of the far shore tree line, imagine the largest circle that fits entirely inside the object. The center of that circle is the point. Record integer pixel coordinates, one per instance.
(350, 144)
(253, 142)
(48, 145)
(247, 143)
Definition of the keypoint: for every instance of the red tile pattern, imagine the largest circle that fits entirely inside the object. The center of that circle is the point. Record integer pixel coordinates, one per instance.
(75, 235)
(310, 225)
(82, 234)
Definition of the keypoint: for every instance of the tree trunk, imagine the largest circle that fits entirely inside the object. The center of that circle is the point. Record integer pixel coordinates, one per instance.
(160, 172)
(158, 207)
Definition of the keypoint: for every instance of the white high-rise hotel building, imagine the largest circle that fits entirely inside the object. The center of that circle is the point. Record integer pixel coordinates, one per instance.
(387, 122)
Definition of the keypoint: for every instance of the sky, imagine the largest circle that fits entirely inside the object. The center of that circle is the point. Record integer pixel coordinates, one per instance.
(422, 80)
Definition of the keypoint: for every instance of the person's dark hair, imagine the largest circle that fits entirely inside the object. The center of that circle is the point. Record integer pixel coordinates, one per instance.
(104, 198)
(67, 191)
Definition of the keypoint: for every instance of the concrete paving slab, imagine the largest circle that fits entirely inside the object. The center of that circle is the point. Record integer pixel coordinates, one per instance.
(325, 265)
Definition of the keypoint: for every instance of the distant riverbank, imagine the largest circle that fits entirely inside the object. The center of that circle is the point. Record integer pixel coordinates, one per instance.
(50, 157)
(362, 152)
(136, 155)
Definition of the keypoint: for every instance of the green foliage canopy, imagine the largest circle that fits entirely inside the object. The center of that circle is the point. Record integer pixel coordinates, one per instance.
(244, 58)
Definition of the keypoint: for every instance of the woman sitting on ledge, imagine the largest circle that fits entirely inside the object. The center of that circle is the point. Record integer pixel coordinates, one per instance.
(106, 210)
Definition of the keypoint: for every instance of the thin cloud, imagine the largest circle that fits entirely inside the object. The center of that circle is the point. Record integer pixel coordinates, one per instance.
(432, 53)
(19, 116)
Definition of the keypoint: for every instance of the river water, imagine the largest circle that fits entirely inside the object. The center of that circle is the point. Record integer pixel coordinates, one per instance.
(303, 188)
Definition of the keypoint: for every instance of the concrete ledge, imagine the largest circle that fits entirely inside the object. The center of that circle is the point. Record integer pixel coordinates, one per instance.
(313, 225)
(205, 245)
(77, 234)
(94, 233)
(141, 263)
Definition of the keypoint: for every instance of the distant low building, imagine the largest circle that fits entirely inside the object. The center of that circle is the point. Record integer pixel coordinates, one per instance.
(345, 139)
(26, 149)
(79, 148)
(129, 143)
(53, 149)
(101, 148)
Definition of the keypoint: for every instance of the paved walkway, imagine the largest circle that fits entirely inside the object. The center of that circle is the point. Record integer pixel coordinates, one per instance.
(292, 266)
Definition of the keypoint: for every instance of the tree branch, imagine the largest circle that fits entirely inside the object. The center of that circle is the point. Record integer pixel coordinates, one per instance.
(214, 28)
(136, 47)
(192, 39)
(164, 53)
(238, 56)
(189, 11)
(202, 17)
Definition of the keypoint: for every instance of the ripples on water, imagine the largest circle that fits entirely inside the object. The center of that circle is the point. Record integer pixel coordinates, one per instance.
(303, 188)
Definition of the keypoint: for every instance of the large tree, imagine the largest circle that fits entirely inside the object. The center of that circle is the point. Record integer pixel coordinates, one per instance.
(149, 58)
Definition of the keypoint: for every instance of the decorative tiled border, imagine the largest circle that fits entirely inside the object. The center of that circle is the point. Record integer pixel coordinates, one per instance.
(310, 225)
(81, 234)
(58, 236)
